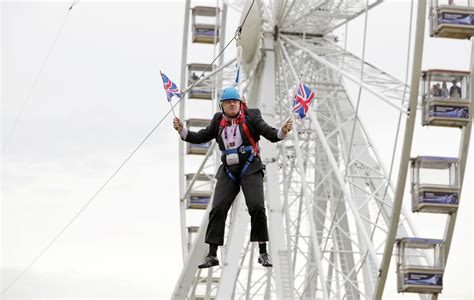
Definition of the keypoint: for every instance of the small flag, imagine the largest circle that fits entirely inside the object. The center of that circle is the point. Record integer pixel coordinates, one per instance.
(237, 77)
(302, 100)
(170, 88)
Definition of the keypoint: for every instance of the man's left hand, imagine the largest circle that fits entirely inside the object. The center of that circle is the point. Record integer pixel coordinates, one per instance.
(287, 126)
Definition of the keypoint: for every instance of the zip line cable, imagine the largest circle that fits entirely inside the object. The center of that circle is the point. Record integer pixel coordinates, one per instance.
(35, 82)
(122, 164)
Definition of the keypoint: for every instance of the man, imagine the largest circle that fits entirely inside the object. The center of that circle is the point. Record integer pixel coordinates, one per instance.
(237, 131)
(436, 90)
(455, 90)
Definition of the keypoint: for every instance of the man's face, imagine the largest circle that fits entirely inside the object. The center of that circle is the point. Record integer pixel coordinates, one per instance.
(231, 107)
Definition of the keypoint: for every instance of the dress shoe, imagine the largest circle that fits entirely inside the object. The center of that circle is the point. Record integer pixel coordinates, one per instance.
(209, 261)
(264, 259)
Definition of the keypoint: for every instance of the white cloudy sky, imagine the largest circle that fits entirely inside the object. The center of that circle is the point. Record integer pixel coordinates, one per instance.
(99, 94)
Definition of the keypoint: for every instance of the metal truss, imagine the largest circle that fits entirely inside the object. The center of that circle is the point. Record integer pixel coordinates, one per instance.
(329, 198)
(319, 17)
(323, 51)
(332, 158)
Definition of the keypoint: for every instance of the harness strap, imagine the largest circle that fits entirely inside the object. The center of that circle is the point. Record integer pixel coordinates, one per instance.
(231, 176)
(241, 121)
(242, 172)
(241, 149)
(246, 166)
(249, 136)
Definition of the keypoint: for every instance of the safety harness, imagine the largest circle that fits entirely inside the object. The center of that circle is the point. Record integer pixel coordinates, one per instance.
(253, 149)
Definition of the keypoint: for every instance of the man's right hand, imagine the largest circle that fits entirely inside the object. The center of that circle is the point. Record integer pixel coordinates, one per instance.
(177, 124)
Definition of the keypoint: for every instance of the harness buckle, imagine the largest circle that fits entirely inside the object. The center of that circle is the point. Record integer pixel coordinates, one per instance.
(242, 149)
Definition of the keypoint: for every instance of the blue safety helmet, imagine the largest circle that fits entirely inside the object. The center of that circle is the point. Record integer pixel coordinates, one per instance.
(230, 93)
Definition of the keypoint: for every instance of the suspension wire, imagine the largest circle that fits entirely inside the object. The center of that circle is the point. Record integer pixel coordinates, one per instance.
(123, 163)
(35, 82)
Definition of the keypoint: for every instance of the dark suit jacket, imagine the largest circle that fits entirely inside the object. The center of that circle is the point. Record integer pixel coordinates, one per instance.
(257, 127)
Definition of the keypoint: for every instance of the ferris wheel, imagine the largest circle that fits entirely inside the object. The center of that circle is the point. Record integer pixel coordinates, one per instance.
(334, 208)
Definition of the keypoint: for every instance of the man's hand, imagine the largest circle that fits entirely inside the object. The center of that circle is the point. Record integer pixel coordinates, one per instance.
(287, 126)
(177, 124)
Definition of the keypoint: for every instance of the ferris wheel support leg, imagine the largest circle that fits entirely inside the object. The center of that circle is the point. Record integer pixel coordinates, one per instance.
(331, 161)
(315, 124)
(363, 232)
(386, 211)
(235, 240)
(345, 74)
(184, 55)
(405, 157)
(250, 272)
(309, 209)
(278, 247)
(198, 251)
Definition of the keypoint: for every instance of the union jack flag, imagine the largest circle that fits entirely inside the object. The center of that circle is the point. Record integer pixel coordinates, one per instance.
(302, 100)
(170, 88)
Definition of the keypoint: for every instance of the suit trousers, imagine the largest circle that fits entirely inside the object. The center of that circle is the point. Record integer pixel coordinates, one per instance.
(224, 195)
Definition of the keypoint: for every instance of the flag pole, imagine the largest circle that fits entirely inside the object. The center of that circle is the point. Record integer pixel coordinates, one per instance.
(172, 109)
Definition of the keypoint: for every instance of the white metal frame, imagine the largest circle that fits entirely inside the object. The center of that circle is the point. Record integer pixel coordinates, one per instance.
(333, 212)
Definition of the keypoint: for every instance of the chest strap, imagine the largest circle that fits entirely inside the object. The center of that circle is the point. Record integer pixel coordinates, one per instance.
(240, 121)
(243, 149)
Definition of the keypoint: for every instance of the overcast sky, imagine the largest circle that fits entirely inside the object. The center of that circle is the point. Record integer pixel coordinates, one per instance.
(99, 94)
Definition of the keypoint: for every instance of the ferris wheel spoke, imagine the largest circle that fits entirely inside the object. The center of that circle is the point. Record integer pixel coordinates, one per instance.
(352, 71)
(294, 72)
(323, 17)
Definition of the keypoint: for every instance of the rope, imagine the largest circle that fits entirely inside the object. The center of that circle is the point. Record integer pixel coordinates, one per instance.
(35, 82)
(121, 165)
